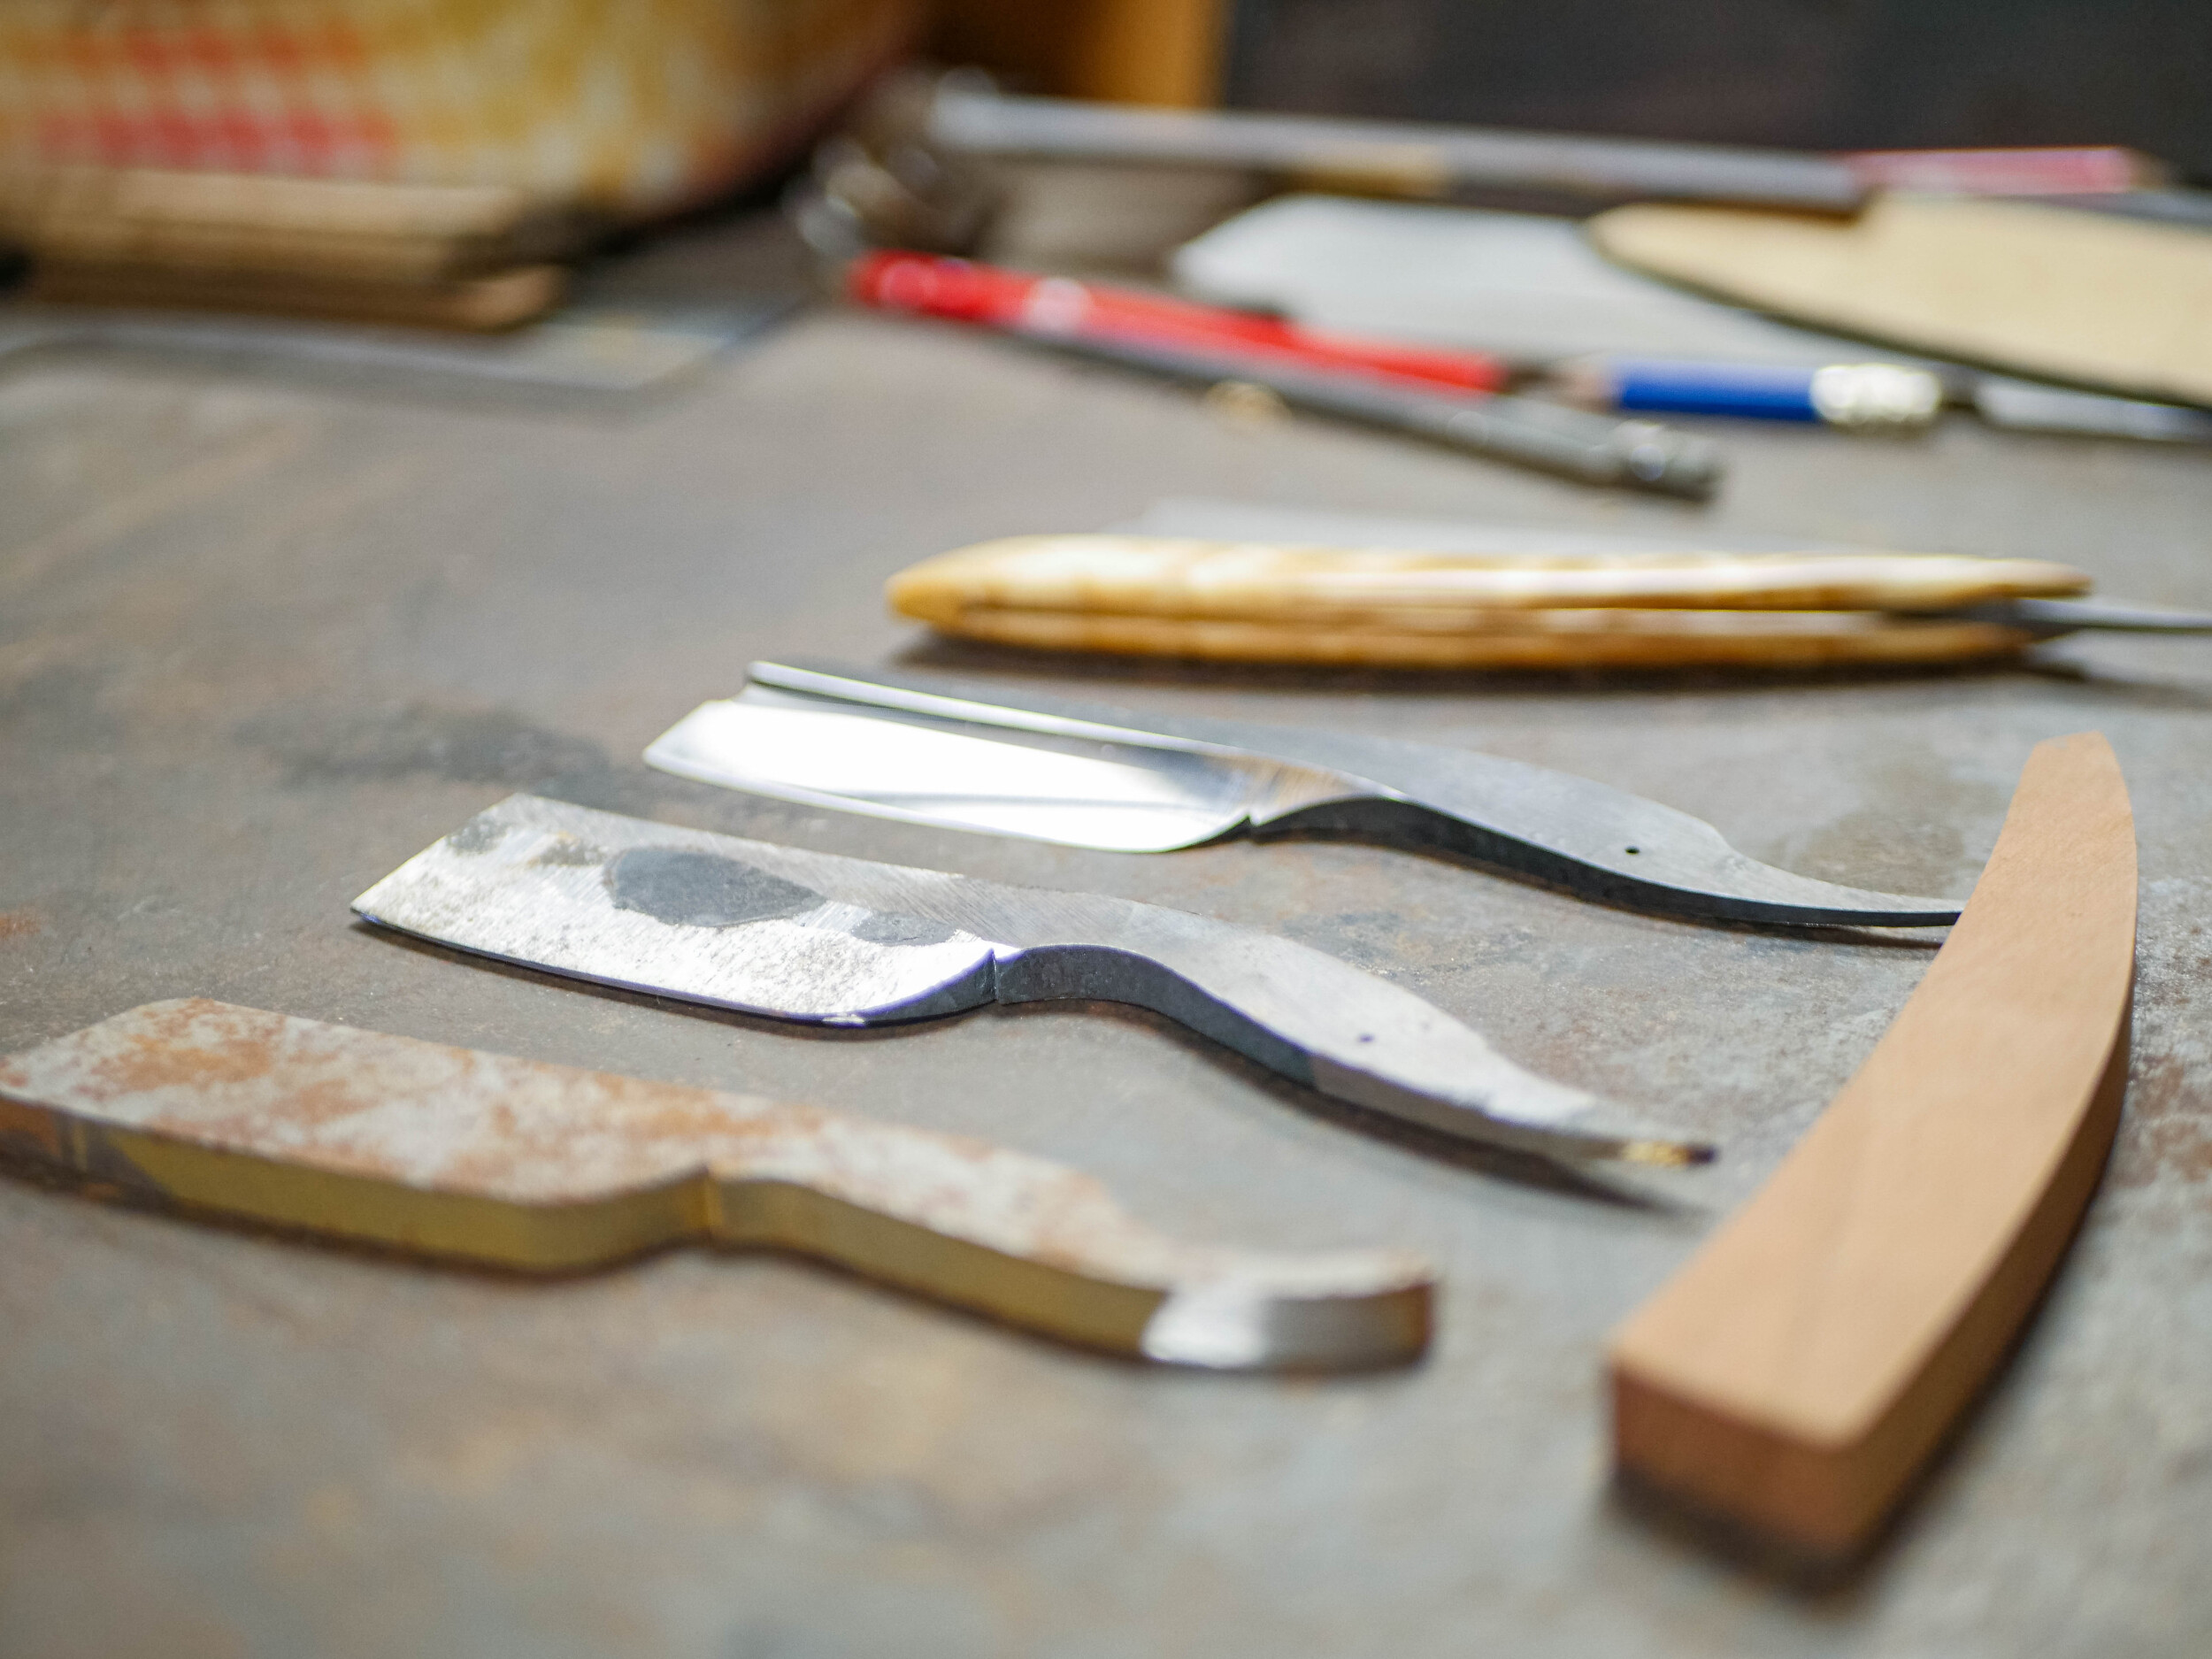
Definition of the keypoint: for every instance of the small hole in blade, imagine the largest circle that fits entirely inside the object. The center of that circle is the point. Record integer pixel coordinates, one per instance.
(1635, 850)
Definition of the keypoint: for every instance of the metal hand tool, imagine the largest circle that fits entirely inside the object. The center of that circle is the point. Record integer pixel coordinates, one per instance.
(843, 941)
(1364, 381)
(448, 1152)
(967, 117)
(944, 752)
(1548, 437)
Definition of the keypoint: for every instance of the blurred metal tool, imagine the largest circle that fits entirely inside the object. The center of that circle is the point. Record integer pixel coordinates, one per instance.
(446, 1152)
(967, 117)
(2033, 406)
(1549, 437)
(879, 183)
(1574, 443)
(1878, 397)
(950, 752)
(844, 942)
(2051, 619)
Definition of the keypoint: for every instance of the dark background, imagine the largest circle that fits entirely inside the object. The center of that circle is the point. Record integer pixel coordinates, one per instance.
(1820, 73)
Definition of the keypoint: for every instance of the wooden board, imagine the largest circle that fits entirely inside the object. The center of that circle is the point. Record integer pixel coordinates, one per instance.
(1801, 1370)
(203, 1106)
(2117, 304)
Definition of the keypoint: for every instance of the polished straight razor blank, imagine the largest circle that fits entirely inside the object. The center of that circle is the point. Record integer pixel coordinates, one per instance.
(973, 757)
(846, 941)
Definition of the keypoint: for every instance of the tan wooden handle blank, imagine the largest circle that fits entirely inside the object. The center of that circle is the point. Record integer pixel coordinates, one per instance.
(1798, 1371)
(203, 1106)
(1174, 577)
(1258, 603)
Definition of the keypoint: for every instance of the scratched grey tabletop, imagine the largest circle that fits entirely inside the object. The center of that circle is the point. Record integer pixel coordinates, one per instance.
(261, 640)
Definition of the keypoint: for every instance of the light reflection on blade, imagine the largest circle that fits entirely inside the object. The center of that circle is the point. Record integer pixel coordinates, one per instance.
(905, 769)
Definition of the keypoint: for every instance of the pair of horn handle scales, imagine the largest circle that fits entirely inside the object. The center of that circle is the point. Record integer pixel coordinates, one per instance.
(1792, 1378)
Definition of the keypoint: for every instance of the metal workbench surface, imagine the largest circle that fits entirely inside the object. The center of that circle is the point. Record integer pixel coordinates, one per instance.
(261, 640)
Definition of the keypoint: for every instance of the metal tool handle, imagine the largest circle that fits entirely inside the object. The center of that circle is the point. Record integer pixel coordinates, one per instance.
(1420, 158)
(1584, 835)
(1549, 437)
(450, 1152)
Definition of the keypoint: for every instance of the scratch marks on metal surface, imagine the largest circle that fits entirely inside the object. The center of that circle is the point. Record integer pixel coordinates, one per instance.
(688, 921)
(481, 835)
(560, 852)
(687, 888)
(173, 492)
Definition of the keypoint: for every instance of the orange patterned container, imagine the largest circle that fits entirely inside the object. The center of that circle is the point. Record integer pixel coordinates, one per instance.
(630, 106)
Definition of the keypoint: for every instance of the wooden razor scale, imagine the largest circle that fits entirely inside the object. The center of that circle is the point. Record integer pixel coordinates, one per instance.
(1800, 1372)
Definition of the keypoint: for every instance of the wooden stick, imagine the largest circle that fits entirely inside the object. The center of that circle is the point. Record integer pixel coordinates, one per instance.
(1801, 1370)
